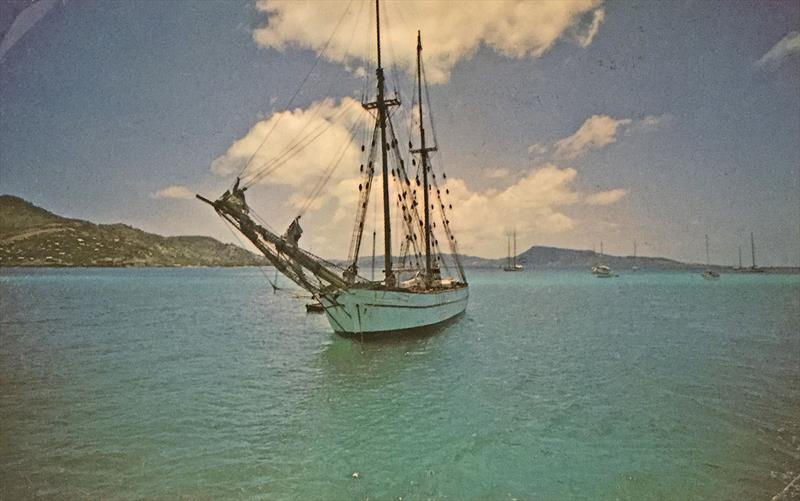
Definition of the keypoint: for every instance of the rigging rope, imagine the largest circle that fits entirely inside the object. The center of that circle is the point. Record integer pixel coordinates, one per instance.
(368, 53)
(323, 181)
(274, 284)
(428, 102)
(365, 189)
(299, 88)
(279, 160)
(388, 41)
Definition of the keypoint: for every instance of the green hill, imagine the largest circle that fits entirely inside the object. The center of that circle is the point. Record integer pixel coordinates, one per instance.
(32, 236)
(540, 257)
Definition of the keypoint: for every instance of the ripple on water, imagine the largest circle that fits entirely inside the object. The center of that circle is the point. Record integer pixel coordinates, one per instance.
(203, 384)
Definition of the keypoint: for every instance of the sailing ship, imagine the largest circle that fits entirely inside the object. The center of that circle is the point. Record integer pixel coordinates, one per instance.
(753, 268)
(511, 262)
(414, 293)
(601, 270)
(709, 274)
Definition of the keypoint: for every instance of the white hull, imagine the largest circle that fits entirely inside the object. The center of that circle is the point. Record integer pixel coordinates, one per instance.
(356, 311)
(602, 271)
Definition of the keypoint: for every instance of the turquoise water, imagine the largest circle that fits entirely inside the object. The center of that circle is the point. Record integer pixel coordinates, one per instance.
(202, 384)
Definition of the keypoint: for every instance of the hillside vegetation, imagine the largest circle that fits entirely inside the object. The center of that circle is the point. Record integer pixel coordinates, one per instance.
(32, 236)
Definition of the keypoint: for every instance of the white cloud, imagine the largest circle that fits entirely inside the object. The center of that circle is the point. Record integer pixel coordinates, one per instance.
(598, 17)
(605, 197)
(327, 122)
(496, 173)
(788, 45)
(648, 123)
(532, 205)
(538, 149)
(532, 201)
(596, 132)
(175, 191)
(516, 28)
(655, 120)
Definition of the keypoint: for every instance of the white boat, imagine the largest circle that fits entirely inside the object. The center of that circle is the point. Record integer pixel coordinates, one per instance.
(511, 261)
(602, 270)
(412, 293)
(375, 310)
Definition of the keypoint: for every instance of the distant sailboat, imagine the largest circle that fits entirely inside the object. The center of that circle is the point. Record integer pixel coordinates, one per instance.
(601, 270)
(634, 267)
(511, 263)
(739, 268)
(754, 268)
(709, 274)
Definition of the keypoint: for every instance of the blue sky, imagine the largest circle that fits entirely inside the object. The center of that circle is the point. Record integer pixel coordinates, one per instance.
(696, 130)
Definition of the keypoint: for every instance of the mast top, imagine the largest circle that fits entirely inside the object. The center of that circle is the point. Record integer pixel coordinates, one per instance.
(378, 24)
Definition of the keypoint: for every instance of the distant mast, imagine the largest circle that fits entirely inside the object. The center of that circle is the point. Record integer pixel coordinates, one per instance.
(752, 249)
(708, 258)
(740, 257)
(508, 251)
(514, 256)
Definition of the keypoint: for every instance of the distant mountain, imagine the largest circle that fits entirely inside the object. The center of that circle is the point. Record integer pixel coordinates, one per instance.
(553, 257)
(32, 236)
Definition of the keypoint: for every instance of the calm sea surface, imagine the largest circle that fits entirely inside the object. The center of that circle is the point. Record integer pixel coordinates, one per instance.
(201, 383)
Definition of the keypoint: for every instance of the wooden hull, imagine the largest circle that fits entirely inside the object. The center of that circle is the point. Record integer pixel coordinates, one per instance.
(368, 311)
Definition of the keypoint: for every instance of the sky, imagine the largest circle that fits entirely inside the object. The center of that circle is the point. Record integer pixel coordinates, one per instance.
(570, 122)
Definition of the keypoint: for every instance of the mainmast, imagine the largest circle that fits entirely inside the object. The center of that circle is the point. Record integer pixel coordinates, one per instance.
(753, 248)
(382, 113)
(423, 151)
